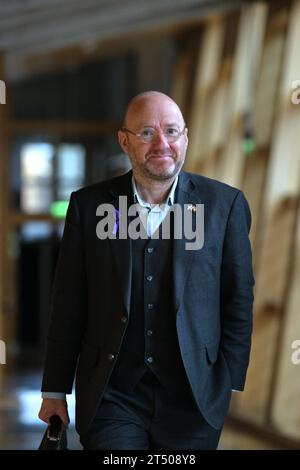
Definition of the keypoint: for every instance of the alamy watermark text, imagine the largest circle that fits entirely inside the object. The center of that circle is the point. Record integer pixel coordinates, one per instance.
(2, 92)
(2, 352)
(131, 222)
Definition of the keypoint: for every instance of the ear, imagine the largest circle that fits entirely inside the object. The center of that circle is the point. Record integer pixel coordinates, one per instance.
(186, 136)
(123, 141)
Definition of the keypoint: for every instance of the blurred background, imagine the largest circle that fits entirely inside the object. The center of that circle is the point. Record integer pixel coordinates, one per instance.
(67, 70)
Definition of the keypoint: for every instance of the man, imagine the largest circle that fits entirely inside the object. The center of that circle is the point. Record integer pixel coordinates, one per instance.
(162, 333)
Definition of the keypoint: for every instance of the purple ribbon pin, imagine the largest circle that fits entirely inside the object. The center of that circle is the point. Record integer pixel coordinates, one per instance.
(116, 226)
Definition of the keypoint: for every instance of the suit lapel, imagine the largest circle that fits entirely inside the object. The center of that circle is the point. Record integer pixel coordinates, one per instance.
(121, 249)
(186, 195)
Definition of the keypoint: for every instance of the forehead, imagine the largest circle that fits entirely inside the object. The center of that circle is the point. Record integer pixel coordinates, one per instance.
(154, 111)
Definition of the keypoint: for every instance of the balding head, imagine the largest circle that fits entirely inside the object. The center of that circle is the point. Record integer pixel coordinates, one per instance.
(150, 99)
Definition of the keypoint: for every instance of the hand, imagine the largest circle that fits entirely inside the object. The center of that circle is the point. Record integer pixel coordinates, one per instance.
(54, 406)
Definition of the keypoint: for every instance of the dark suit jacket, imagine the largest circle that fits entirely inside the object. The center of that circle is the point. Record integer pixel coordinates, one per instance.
(212, 297)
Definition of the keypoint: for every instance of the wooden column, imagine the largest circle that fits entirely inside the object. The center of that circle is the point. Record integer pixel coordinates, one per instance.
(181, 80)
(245, 69)
(264, 114)
(206, 76)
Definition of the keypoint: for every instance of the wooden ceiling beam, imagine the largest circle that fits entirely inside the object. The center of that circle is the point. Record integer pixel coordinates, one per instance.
(39, 47)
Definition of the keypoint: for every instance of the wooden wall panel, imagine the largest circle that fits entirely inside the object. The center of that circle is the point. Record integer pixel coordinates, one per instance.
(263, 118)
(181, 80)
(284, 409)
(276, 251)
(285, 413)
(242, 90)
(267, 88)
(206, 74)
(253, 95)
(253, 186)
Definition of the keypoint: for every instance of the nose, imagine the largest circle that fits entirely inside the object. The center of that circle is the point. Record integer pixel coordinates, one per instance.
(160, 139)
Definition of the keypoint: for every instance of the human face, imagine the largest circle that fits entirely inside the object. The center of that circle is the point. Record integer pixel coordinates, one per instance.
(157, 160)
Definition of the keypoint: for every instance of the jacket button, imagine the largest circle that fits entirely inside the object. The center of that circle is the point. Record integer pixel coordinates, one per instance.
(150, 359)
(111, 357)
(150, 250)
(150, 306)
(149, 278)
(124, 319)
(149, 332)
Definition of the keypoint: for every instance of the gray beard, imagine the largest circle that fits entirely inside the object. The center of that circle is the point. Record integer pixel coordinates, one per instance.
(163, 176)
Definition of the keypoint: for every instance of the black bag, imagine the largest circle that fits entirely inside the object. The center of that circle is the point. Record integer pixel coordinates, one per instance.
(55, 437)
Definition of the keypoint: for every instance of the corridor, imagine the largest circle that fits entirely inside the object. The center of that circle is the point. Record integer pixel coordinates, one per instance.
(20, 428)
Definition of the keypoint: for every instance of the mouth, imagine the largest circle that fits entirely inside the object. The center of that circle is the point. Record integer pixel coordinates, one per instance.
(159, 157)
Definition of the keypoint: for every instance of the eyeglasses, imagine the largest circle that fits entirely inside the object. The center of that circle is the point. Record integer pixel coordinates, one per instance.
(149, 134)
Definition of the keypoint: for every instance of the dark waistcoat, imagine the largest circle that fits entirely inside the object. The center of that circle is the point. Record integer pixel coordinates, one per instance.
(150, 341)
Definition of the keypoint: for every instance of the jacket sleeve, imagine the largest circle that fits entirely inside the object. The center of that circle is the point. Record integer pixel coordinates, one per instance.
(68, 307)
(237, 292)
